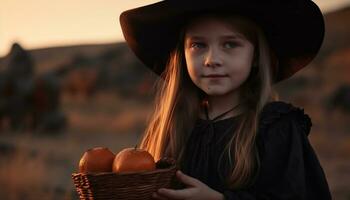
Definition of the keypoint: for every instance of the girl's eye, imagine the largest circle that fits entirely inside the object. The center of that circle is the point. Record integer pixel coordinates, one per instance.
(197, 45)
(230, 44)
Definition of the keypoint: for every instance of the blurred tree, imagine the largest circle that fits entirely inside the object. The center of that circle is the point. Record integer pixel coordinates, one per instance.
(25, 101)
(19, 86)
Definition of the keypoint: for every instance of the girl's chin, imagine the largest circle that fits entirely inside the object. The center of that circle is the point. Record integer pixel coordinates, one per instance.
(213, 91)
(217, 90)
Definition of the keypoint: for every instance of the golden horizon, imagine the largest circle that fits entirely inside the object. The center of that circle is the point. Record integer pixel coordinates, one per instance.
(66, 22)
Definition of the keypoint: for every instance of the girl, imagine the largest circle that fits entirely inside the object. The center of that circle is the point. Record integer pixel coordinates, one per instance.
(216, 112)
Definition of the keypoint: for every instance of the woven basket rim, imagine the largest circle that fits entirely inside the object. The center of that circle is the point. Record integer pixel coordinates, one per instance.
(124, 173)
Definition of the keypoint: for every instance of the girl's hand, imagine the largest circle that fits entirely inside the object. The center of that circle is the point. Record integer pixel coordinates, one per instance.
(196, 190)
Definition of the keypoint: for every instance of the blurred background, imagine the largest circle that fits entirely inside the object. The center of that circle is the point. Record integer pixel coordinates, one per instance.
(68, 83)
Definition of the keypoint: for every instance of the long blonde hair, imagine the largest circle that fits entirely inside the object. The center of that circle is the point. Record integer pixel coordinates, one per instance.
(178, 103)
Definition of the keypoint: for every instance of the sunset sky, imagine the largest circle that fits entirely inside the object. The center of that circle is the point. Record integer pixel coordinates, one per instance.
(42, 23)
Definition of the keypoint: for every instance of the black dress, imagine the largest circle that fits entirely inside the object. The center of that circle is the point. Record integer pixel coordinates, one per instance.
(289, 166)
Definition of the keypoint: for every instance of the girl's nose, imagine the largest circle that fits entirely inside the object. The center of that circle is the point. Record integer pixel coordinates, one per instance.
(212, 59)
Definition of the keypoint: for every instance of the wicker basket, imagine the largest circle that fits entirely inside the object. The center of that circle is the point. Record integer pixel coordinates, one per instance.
(131, 186)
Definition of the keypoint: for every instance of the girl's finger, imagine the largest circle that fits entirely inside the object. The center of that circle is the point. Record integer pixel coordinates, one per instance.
(188, 180)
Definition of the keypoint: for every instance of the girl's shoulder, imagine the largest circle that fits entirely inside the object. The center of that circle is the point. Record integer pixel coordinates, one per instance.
(279, 113)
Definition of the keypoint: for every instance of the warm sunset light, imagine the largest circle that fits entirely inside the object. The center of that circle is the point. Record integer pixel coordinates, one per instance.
(39, 23)
(84, 116)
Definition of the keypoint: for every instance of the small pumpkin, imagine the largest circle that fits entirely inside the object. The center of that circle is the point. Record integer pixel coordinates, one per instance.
(98, 159)
(133, 160)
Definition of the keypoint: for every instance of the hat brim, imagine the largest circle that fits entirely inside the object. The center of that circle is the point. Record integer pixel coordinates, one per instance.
(295, 31)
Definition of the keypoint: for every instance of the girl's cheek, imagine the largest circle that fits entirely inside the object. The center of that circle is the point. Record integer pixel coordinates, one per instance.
(192, 62)
(194, 72)
(197, 68)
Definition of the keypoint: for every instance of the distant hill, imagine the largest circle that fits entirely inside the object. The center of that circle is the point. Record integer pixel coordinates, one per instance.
(114, 65)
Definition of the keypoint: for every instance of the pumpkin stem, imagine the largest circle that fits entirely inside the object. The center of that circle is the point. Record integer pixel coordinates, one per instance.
(135, 146)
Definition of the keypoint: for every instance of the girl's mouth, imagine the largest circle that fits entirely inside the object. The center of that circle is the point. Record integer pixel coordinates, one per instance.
(215, 76)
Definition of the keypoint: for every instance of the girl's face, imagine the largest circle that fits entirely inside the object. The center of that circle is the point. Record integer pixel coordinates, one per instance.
(218, 57)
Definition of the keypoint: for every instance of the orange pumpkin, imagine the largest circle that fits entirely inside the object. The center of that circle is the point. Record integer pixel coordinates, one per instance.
(98, 159)
(133, 160)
